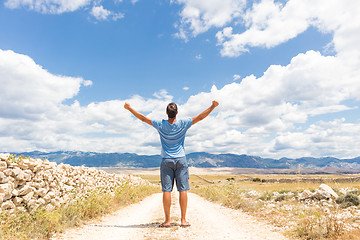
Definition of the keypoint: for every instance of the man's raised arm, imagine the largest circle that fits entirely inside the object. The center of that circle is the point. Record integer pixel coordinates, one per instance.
(205, 113)
(137, 114)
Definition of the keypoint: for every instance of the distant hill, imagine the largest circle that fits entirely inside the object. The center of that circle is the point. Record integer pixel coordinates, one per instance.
(198, 159)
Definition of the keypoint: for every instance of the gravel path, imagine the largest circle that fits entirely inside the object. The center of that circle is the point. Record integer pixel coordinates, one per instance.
(208, 221)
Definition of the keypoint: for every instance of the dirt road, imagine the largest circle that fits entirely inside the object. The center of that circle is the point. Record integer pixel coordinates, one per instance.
(208, 221)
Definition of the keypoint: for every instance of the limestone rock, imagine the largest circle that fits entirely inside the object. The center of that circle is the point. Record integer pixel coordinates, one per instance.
(320, 194)
(41, 192)
(17, 201)
(35, 182)
(7, 189)
(28, 197)
(3, 165)
(41, 201)
(8, 172)
(306, 194)
(328, 190)
(4, 156)
(25, 190)
(8, 205)
(15, 192)
(32, 204)
(253, 194)
(3, 178)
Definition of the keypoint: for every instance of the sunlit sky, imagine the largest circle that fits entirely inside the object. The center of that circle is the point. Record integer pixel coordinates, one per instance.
(286, 74)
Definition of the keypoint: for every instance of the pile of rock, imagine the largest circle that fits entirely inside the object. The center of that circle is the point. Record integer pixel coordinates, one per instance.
(323, 192)
(27, 183)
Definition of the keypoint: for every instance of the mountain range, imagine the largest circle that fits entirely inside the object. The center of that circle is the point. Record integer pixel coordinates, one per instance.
(197, 159)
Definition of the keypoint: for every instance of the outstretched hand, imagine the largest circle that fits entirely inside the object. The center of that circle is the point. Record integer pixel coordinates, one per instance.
(127, 106)
(215, 103)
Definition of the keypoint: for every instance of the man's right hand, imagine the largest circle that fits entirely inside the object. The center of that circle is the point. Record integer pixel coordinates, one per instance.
(127, 106)
(215, 103)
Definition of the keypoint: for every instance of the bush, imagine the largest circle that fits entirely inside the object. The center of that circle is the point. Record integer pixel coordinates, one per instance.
(355, 192)
(319, 225)
(266, 196)
(280, 198)
(348, 200)
(256, 179)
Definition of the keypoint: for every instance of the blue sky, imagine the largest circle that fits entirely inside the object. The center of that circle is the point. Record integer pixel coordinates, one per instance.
(284, 72)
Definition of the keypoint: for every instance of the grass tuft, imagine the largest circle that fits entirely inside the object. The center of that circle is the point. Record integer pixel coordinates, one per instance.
(319, 225)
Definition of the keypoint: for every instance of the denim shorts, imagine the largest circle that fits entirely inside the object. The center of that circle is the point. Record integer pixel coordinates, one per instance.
(174, 169)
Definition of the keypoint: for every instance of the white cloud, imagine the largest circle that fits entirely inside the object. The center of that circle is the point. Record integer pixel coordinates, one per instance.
(62, 6)
(34, 117)
(269, 24)
(236, 77)
(28, 89)
(100, 13)
(186, 88)
(163, 94)
(49, 6)
(198, 16)
(117, 16)
(276, 103)
(335, 138)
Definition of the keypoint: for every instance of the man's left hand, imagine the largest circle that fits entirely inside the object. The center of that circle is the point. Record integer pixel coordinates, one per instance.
(127, 106)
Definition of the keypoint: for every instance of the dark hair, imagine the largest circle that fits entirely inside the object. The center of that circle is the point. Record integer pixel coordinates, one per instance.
(171, 110)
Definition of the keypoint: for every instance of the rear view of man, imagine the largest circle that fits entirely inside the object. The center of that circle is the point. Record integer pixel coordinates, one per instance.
(174, 164)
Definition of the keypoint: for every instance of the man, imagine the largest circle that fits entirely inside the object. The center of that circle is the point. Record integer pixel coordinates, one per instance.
(173, 165)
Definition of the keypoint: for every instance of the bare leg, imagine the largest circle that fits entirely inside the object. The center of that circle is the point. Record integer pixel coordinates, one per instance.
(183, 200)
(167, 205)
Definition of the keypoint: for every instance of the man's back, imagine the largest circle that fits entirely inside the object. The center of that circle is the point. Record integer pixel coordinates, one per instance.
(172, 136)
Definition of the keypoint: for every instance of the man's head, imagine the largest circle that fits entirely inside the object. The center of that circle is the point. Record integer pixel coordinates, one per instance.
(171, 110)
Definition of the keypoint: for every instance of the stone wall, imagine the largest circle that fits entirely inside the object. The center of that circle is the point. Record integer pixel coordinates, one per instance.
(27, 183)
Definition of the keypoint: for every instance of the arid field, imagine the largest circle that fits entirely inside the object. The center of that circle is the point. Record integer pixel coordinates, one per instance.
(291, 203)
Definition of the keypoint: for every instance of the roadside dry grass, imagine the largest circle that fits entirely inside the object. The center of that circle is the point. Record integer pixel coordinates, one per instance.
(278, 204)
(41, 224)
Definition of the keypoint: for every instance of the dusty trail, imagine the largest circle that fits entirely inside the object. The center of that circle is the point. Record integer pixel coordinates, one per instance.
(208, 221)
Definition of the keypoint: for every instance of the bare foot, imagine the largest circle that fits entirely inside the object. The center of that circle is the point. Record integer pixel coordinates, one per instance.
(185, 224)
(164, 225)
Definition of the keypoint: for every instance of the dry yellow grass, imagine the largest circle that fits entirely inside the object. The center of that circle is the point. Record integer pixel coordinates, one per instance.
(269, 186)
(300, 220)
(239, 181)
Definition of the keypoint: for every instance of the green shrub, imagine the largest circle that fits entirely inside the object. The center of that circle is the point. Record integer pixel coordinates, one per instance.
(256, 179)
(348, 200)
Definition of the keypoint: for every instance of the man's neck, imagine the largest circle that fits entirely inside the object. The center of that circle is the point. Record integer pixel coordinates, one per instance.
(172, 120)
